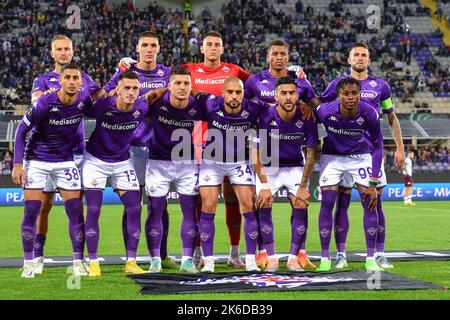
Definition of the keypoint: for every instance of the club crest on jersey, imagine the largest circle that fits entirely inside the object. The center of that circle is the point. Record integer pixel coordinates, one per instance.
(136, 114)
(360, 121)
(333, 118)
(299, 124)
(160, 73)
(80, 106)
(245, 114)
(226, 69)
(373, 83)
(265, 81)
(54, 109)
(192, 112)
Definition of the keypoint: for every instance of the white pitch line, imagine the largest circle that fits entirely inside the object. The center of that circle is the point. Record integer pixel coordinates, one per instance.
(431, 209)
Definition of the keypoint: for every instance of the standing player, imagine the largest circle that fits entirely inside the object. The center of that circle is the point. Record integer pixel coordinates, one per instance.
(407, 178)
(152, 76)
(284, 127)
(173, 117)
(209, 76)
(377, 93)
(107, 156)
(262, 86)
(230, 117)
(347, 149)
(62, 53)
(54, 121)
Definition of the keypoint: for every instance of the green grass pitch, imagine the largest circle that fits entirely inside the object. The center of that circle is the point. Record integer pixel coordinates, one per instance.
(423, 227)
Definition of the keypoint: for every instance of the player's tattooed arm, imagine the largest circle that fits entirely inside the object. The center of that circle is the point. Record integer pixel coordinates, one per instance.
(314, 102)
(264, 198)
(396, 132)
(312, 156)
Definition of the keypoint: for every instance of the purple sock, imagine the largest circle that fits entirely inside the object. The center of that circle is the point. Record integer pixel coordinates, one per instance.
(251, 232)
(303, 241)
(30, 216)
(266, 229)
(341, 223)
(165, 234)
(94, 199)
(260, 238)
(153, 225)
(370, 226)
(326, 220)
(74, 210)
(124, 228)
(298, 230)
(207, 230)
(189, 227)
(132, 203)
(39, 243)
(381, 226)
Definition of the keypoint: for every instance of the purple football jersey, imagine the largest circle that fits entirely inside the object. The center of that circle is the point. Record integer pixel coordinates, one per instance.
(148, 80)
(50, 80)
(374, 91)
(111, 139)
(289, 135)
(229, 133)
(262, 87)
(167, 119)
(348, 136)
(54, 127)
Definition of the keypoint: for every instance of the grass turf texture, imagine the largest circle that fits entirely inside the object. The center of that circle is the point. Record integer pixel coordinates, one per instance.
(408, 228)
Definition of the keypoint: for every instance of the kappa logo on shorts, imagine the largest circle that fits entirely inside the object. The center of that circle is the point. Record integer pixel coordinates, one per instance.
(245, 114)
(253, 235)
(204, 236)
(94, 182)
(134, 185)
(301, 230)
(249, 180)
(360, 121)
(324, 178)
(372, 231)
(153, 233)
(324, 232)
(73, 185)
(27, 236)
(91, 232)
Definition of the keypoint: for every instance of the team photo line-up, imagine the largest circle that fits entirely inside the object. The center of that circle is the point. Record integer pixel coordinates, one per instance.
(207, 127)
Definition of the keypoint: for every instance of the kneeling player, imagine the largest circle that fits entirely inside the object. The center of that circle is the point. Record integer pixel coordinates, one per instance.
(346, 150)
(49, 152)
(107, 157)
(285, 131)
(171, 159)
